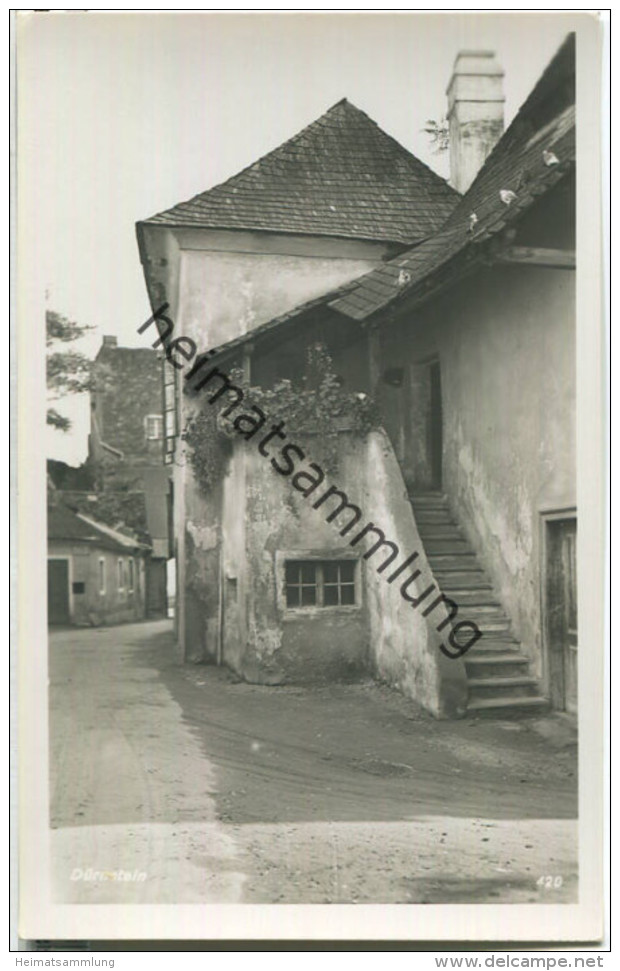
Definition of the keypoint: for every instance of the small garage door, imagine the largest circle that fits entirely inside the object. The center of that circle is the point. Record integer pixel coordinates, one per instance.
(58, 591)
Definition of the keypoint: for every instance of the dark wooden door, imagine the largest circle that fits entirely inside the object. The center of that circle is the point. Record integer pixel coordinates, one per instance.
(58, 591)
(562, 612)
(425, 425)
(435, 426)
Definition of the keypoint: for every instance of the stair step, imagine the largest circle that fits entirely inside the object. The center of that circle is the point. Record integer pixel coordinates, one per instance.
(429, 502)
(446, 566)
(445, 541)
(438, 526)
(473, 599)
(491, 609)
(490, 646)
(461, 579)
(497, 628)
(500, 636)
(430, 516)
(502, 655)
(489, 626)
(498, 665)
(498, 675)
(443, 530)
(507, 706)
(444, 552)
(494, 688)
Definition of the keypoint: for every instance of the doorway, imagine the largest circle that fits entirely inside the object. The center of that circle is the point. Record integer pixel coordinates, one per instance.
(58, 592)
(435, 426)
(561, 610)
(425, 428)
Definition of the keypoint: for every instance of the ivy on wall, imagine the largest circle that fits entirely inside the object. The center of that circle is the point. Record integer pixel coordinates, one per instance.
(318, 407)
(209, 447)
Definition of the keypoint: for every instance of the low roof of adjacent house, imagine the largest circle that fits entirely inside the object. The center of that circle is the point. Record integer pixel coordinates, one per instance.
(340, 176)
(64, 525)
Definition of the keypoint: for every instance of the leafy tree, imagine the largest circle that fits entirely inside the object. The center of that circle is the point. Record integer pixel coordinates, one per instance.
(439, 134)
(68, 372)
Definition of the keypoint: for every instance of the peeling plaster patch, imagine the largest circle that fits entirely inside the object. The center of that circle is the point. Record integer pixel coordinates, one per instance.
(402, 652)
(513, 546)
(524, 522)
(204, 537)
(266, 640)
(248, 298)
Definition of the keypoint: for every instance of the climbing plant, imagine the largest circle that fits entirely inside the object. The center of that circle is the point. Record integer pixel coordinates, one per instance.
(317, 408)
(209, 447)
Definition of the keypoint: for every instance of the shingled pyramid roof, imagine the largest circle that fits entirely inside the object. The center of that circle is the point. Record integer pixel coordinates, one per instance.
(341, 176)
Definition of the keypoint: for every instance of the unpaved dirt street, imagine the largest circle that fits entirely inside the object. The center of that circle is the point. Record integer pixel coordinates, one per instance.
(180, 784)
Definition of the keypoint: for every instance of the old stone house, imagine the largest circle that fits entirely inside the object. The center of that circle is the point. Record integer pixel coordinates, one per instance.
(414, 346)
(126, 455)
(95, 574)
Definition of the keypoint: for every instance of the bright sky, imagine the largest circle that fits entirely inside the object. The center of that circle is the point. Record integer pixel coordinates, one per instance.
(123, 115)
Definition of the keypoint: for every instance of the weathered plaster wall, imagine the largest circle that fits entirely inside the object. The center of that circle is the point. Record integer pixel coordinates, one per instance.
(265, 516)
(405, 646)
(235, 593)
(92, 607)
(218, 285)
(505, 341)
(266, 521)
(198, 519)
(226, 294)
(510, 428)
(160, 256)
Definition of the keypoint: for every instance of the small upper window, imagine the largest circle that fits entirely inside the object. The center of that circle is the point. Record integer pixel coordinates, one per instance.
(320, 583)
(154, 426)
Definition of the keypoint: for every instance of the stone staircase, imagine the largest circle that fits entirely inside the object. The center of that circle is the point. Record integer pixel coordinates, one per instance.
(498, 672)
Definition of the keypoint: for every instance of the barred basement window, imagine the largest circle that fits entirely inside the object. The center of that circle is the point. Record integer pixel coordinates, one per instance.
(320, 583)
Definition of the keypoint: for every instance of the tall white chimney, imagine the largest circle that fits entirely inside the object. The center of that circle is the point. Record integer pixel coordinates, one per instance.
(475, 114)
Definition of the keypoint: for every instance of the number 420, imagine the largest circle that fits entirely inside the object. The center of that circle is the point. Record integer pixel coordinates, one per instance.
(549, 882)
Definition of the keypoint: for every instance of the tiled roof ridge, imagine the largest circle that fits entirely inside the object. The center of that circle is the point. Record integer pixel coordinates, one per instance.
(63, 521)
(123, 539)
(420, 171)
(457, 231)
(408, 156)
(251, 165)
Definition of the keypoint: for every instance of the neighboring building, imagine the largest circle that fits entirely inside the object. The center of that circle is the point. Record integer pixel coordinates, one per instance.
(95, 575)
(456, 315)
(68, 477)
(126, 453)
